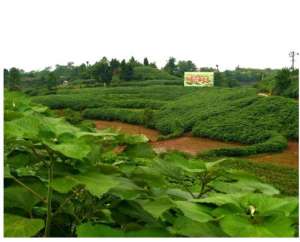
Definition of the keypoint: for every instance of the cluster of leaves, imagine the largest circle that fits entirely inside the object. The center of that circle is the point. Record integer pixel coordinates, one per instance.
(283, 82)
(63, 181)
(142, 73)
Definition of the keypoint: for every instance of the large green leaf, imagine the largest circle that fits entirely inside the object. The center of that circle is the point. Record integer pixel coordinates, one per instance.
(126, 189)
(189, 165)
(97, 230)
(95, 183)
(246, 226)
(196, 212)
(186, 227)
(266, 205)
(179, 194)
(17, 196)
(58, 126)
(20, 159)
(243, 185)
(7, 173)
(16, 226)
(75, 148)
(220, 199)
(148, 233)
(157, 207)
(26, 127)
(100, 230)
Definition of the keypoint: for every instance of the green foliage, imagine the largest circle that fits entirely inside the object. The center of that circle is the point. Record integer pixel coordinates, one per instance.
(75, 184)
(233, 115)
(12, 79)
(102, 71)
(16, 226)
(283, 178)
(142, 73)
(283, 82)
(287, 83)
(170, 66)
(238, 114)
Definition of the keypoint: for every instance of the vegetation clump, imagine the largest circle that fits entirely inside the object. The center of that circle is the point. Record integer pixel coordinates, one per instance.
(77, 185)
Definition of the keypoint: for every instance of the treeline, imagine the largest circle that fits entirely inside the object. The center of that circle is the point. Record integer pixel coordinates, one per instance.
(118, 72)
(102, 72)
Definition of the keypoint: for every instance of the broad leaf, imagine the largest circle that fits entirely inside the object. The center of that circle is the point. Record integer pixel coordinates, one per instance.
(126, 189)
(16, 226)
(97, 230)
(17, 196)
(148, 233)
(76, 148)
(219, 199)
(266, 205)
(7, 172)
(157, 207)
(100, 230)
(186, 227)
(196, 212)
(95, 183)
(246, 226)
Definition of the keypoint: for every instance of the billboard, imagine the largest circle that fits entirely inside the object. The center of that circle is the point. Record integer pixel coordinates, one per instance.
(198, 79)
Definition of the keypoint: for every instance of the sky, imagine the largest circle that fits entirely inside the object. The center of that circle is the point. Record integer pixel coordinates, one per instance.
(248, 33)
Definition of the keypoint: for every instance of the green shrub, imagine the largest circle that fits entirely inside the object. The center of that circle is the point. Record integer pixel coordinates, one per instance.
(142, 73)
(124, 115)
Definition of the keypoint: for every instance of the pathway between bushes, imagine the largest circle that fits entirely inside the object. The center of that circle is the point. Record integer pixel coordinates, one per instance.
(194, 145)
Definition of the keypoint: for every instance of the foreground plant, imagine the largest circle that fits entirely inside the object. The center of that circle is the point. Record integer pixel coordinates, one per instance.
(63, 181)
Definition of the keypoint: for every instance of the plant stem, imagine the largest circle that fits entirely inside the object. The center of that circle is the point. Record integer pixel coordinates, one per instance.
(49, 198)
(29, 189)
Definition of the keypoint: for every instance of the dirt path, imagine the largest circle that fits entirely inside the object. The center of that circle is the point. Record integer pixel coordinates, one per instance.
(194, 145)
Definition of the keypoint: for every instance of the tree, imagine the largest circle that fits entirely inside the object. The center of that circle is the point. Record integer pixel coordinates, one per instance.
(51, 81)
(6, 77)
(126, 72)
(115, 65)
(282, 81)
(14, 79)
(133, 62)
(170, 67)
(184, 66)
(102, 71)
(146, 62)
(82, 71)
(153, 64)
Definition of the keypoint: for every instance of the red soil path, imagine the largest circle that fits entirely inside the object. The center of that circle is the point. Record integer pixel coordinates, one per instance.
(194, 145)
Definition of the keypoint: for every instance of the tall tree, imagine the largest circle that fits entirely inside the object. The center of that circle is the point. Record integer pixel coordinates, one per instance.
(51, 81)
(171, 67)
(115, 65)
(184, 66)
(282, 81)
(133, 62)
(6, 77)
(146, 62)
(14, 80)
(126, 72)
(102, 71)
